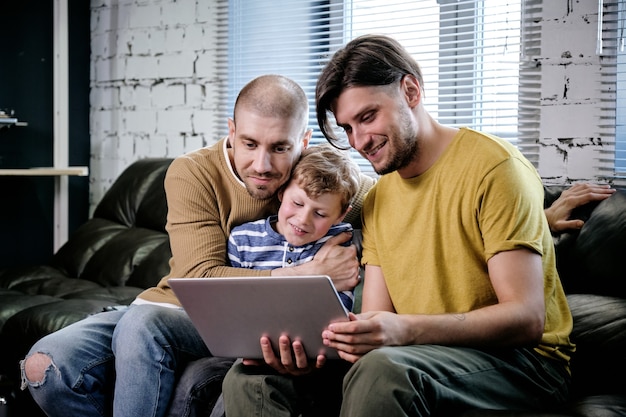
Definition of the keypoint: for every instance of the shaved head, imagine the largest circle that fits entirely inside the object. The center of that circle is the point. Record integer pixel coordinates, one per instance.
(274, 96)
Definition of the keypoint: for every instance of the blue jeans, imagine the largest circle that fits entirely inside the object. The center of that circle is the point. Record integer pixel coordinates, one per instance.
(421, 380)
(120, 363)
(198, 390)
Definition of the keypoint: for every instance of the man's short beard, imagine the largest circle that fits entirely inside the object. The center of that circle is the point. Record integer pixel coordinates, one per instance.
(401, 159)
(259, 193)
(405, 151)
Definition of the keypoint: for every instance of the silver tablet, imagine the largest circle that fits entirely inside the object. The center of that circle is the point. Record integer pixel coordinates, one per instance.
(231, 314)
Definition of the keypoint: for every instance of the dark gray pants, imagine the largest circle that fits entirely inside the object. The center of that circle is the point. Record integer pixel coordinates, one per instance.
(425, 380)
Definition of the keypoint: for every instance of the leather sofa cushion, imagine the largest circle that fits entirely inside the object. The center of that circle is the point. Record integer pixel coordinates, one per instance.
(600, 406)
(593, 406)
(85, 241)
(39, 320)
(600, 246)
(13, 302)
(107, 253)
(114, 262)
(27, 326)
(591, 260)
(155, 264)
(600, 336)
(122, 203)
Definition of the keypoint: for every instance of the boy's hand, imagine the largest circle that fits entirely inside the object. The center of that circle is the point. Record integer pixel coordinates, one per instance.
(292, 361)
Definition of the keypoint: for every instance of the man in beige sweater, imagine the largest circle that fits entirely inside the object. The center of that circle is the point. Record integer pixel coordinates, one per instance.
(126, 363)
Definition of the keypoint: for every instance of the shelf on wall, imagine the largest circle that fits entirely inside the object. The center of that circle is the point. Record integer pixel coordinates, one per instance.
(46, 171)
(6, 122)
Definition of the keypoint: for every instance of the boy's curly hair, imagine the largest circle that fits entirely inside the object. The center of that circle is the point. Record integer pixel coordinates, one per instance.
(324, 169)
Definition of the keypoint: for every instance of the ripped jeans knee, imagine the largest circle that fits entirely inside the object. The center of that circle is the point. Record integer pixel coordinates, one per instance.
(35, 368)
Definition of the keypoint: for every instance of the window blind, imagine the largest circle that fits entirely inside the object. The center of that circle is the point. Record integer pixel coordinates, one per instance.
(469, 52)
(529, 110)
(611, 48)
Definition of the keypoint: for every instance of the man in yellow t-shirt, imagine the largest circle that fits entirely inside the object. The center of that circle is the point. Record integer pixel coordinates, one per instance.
(462, 305)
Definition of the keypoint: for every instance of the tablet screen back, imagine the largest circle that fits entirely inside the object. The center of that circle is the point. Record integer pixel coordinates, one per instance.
(231, 314)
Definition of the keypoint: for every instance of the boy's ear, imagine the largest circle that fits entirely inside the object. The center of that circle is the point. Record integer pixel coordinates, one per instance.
(345, 213)
(280, 193)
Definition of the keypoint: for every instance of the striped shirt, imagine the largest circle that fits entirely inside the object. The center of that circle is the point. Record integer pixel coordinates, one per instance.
(256, 245)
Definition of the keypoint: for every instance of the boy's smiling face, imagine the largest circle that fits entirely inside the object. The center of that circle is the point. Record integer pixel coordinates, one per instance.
(302, 219)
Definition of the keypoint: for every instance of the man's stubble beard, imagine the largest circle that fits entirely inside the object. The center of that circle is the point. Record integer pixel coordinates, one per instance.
(262, 192)
(405, 148)
(259, 193)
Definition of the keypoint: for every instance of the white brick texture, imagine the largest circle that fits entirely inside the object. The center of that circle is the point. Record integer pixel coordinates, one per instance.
(152, 77)
(570, 91)
(154, 85)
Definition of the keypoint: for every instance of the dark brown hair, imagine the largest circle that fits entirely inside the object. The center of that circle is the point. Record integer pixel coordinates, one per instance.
(369, 60)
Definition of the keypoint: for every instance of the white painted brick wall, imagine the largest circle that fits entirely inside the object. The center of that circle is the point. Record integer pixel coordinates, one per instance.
(153, 83)
(154, 87)
(570, 90)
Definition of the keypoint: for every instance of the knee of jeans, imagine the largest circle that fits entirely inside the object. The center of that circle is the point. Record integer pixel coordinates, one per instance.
(145, 318)
(35, 368)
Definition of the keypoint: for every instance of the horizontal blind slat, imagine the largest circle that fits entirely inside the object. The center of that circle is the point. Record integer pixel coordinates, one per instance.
(469, 56)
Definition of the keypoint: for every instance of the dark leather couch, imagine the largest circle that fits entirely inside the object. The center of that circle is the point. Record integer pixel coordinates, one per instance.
(124, 248)
(107, 261)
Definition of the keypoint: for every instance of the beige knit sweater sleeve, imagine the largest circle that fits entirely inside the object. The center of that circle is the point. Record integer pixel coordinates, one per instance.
(205, 201)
